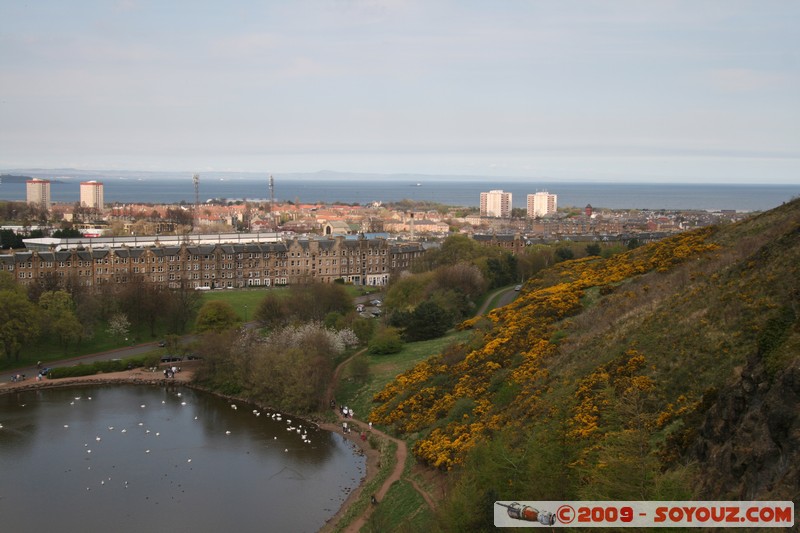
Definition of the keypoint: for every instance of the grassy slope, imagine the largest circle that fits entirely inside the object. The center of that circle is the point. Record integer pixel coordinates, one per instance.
(695, 322)
(357, 392)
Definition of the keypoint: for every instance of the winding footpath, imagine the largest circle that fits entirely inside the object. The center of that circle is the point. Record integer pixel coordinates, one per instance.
(401, 454)
(499, 298)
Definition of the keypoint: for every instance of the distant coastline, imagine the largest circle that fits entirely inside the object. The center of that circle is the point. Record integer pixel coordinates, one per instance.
(331, 187)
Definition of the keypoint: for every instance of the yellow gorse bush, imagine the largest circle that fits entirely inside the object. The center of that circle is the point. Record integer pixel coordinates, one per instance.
(515, 353)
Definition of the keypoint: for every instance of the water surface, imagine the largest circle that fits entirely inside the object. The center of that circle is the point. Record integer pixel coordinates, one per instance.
(136, 458)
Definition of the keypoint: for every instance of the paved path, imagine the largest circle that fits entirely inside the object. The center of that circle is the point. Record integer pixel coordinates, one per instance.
(508, 295)
(117, 353)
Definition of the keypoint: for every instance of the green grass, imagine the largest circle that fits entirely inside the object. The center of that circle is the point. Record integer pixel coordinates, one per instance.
(357, 393)
(387, 461)
(244, 301)
(402, 509)
(361, 290)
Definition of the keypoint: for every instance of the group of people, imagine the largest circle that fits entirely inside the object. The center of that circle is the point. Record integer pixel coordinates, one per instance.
(170, 372)
(346, 411)
(17, 377)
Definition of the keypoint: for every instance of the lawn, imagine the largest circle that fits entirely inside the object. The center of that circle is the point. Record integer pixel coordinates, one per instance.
(244, 301)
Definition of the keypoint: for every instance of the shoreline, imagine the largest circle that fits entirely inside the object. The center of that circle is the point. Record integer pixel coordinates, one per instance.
(139, 376)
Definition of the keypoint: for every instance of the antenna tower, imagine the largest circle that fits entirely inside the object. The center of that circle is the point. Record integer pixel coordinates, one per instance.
(196, 180)
(271, 199)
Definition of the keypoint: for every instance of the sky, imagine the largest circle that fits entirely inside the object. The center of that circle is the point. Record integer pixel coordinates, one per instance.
(650, 91)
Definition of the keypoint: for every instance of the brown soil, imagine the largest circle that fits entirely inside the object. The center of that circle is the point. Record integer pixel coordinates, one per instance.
(372, 461)
(137, 376)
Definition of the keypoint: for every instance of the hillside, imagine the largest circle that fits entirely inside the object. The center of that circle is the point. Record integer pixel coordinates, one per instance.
(11, 178)
(667, 372)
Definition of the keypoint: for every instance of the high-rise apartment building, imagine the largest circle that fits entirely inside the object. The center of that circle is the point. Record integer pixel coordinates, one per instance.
(38, 192)
(92, 194)
(542, 204)
(496, 204)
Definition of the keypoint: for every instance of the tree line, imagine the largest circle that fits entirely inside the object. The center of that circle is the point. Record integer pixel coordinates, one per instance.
(70, 314)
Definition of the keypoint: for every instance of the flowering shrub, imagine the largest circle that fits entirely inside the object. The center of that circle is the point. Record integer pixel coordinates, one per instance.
(313, 333)
(516, 351)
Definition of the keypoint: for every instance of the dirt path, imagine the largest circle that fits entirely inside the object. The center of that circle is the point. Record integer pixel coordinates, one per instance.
(137, 375)
(401, 455)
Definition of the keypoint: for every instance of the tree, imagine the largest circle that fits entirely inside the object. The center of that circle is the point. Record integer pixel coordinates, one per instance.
(386, 341)
(181, 305)
(59, 316)
(593, 249)
(519, 212)
(462, 277)
(119, 325)
(172, 343)
(304, 303)
(271, 311)
(146, 303)
(9, 239)
(501, 269)
(455, 249)
(216, 316)
(67, 232)
(19, 317)
(563, 253)
(364, 329)
(428, 321)
(408, 291)
(315, 300)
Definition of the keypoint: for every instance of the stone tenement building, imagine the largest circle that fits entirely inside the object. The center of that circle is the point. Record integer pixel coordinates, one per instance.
(358, 261)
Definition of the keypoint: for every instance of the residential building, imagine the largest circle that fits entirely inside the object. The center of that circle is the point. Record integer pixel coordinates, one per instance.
(38, 192)
(496, 203)
(359, 261)
(542, 204)
(92, 194)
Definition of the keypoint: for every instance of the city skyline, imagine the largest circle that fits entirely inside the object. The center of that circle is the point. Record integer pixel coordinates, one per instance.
(667, 92)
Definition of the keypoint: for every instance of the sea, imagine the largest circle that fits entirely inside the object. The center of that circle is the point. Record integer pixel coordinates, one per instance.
(154, 187)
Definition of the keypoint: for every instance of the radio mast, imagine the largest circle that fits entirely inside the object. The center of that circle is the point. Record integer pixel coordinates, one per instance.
(196, 180)
(272, 200)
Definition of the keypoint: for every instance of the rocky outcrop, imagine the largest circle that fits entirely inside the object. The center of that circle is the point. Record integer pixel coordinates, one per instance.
(748, 446)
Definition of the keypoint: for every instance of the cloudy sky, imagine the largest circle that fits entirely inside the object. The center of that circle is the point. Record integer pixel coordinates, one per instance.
(667, 91)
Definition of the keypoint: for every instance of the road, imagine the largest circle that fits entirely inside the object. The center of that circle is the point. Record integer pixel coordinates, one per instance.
(118, 353)
(508, 295)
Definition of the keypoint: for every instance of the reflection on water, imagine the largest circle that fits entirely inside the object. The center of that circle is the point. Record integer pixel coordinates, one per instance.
(132, 458)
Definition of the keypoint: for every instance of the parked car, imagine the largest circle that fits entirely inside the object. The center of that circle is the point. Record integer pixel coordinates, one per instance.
(171, 359)
(518, 288)
(161, 344)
